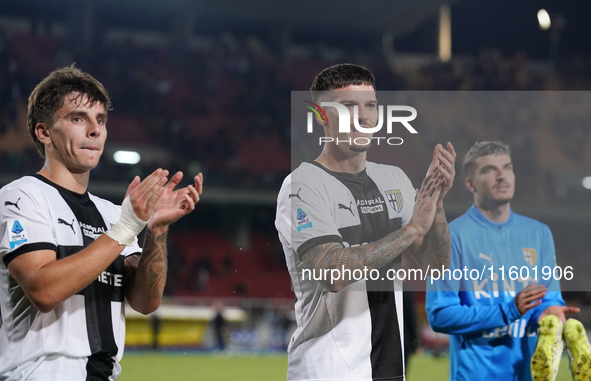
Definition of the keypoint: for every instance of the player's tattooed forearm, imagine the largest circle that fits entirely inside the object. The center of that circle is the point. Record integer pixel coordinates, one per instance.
(438, 238)
(130, 268)
(155, 262)
(373, 256)
(343, 259)
(323, 256)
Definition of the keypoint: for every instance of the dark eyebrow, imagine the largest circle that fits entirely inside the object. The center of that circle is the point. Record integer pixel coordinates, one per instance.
(486, 167)
(102, 115)
(492, 166)
(343, 101)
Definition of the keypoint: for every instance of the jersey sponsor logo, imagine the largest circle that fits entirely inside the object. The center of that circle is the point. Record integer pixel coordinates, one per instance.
(302, 220)
(111, 279)
(493, 287)
(8, 203)
(530, 255)
(17, 232)
(516, 329)
(91, 231)
(394, 197)
(64, 222)
(371, 209)
(291, 195)
(374, 205)
(342, 206)
(370, 202)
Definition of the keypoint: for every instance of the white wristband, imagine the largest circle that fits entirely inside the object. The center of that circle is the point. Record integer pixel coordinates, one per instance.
(128, 226)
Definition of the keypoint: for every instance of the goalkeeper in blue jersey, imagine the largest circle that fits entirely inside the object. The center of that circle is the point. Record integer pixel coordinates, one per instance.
(493, 321)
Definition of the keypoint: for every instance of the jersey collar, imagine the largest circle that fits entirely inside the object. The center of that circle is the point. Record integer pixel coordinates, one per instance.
(78, 196)
(343, 176)
(477, 215)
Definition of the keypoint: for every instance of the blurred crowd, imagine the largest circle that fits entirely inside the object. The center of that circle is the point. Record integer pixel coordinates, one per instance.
(224, 108)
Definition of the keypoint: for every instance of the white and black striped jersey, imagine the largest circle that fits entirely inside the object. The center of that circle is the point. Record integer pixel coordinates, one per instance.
(356, 333)
(83, 337)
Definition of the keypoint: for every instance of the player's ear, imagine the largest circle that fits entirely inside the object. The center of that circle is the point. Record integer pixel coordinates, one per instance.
(470, 185)
(321, 121)
(42, 133)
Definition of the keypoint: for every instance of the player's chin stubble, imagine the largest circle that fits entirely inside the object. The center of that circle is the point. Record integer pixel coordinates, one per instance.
(359, 148)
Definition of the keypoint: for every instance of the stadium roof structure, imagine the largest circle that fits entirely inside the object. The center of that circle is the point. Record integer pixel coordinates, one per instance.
(398, 17)
(374, 15)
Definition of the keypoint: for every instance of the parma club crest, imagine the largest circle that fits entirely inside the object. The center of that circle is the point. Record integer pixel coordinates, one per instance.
(530, 255)
(394, 198)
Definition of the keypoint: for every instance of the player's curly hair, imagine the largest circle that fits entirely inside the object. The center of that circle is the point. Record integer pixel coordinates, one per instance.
(48, 97)
(338, 76)
(479, 149)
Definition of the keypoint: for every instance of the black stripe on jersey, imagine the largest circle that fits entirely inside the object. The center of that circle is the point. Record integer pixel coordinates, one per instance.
(97, 295)
(387, 359)
(115, 293)
(27, 248)
(21, 308)
(386, 344)
(99, 367)
(318, 241)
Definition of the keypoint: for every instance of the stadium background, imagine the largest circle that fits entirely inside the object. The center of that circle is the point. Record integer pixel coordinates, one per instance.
(205, 86)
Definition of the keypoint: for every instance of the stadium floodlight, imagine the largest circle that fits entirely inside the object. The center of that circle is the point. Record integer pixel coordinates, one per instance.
(587, 182)
(126, 157)
(544, 19)
(445, 33)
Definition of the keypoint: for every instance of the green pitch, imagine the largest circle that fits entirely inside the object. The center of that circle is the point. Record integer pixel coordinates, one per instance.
(150, 366)
(202, 367)
(426, 367)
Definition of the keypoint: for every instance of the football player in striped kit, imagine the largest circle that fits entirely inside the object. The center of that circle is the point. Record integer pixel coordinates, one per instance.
(343, 213)
(69, 258)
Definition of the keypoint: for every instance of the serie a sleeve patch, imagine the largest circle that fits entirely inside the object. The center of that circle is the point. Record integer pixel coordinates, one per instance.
(302, 220)
(16, 231)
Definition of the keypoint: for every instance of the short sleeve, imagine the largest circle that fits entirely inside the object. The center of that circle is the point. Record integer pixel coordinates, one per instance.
(25, 222)
(304, 216)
